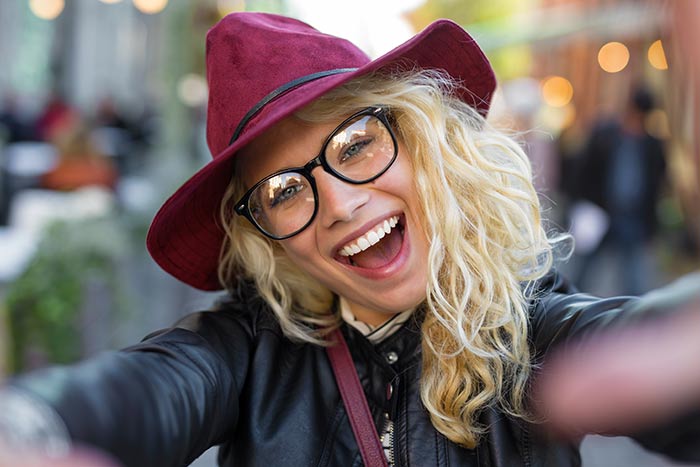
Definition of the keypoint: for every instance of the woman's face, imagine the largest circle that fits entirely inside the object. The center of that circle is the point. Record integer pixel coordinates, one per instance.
(386, 278)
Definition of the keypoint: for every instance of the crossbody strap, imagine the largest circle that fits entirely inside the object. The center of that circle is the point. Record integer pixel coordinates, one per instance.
(355, 402)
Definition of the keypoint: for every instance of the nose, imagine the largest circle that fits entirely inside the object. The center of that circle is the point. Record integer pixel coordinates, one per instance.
(338, 200)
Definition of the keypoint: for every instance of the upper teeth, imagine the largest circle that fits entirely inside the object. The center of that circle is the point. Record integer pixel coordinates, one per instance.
(375, 234)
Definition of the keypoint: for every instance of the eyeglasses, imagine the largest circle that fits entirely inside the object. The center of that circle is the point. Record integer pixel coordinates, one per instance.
(358, 151)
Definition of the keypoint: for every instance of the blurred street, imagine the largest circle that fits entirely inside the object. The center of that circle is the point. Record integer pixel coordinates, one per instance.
(102, 114)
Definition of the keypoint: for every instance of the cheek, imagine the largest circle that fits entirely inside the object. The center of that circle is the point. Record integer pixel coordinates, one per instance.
(310, 262)
(409, 185)
(302, 250)
(403, 170)
(402, 183)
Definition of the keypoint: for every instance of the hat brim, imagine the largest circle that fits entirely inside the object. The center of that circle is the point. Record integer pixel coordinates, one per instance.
(185, 236)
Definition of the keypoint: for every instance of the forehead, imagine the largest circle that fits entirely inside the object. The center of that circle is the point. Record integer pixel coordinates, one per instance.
(290, 143)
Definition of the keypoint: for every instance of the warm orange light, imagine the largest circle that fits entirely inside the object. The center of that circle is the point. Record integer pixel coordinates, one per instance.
(150, 7)
(46, 9)
(557, 91)
(613, 57)
(657, 56)
(229, 6)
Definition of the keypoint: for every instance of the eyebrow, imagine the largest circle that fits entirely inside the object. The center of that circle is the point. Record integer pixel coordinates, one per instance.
(307, 124)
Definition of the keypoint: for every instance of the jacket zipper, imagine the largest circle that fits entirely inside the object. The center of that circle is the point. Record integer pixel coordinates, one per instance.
(387, 439)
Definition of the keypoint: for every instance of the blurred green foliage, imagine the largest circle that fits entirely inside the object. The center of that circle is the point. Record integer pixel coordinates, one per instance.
(465, 13)
(45, 302)
(485, 20)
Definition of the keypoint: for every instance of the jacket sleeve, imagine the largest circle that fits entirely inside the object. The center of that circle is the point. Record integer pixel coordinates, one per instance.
(561, 317)
(162, 402)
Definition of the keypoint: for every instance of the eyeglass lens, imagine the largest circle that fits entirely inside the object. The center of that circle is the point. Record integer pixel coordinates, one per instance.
(358, 151)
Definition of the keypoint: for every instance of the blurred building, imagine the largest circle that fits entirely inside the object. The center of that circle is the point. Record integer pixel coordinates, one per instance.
(89, 50)
(590, 54)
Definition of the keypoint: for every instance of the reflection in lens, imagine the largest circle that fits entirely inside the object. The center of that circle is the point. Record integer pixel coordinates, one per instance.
(361, 150)
(283, 204)
(273, 185)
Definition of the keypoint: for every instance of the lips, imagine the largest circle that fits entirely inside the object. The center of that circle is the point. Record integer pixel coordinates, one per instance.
(377, 248)
(372, 237)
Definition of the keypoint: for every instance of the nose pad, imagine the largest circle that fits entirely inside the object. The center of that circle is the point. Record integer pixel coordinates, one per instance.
(338, 200)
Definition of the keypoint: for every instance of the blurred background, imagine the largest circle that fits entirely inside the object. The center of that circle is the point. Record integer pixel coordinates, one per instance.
(102, 116)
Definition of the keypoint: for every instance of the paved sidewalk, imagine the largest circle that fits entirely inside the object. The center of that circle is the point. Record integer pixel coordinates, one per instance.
(599, 451)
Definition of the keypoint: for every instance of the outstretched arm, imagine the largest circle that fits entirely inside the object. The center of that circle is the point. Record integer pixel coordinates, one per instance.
(162, 402)
(633, 379)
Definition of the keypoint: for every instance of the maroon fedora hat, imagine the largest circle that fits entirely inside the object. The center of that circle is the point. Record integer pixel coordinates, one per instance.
(262, 68)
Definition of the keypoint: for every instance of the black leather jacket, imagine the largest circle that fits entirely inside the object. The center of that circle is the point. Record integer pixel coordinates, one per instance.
(230, 378)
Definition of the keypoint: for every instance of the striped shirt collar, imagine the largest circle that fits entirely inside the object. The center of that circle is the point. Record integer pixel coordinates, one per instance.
(375, 334)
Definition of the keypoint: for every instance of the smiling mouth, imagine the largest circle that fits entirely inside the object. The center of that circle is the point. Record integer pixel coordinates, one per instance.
(376, 248)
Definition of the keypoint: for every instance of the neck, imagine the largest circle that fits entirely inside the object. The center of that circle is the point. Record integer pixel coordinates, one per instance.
(367, 315)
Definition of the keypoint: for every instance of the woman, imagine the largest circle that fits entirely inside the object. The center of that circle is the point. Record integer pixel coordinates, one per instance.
(366, 196)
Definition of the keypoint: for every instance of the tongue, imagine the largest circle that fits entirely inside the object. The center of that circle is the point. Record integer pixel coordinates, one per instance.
(381, 253)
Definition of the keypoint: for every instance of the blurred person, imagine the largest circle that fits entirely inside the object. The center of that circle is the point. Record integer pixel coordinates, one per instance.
(371, 231)
(108, 115)
(622, 171)
(13, 125)
(648, 374)
(121, 135)
(56, 117)
(80, 164)
(112, 133)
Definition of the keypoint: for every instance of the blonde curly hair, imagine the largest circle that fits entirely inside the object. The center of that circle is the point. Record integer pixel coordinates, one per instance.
(486, 244)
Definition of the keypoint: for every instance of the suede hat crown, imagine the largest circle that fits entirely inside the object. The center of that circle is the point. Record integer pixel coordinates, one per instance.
(262, 68)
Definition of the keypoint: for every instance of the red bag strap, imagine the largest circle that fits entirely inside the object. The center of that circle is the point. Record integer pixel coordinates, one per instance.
(355, 402)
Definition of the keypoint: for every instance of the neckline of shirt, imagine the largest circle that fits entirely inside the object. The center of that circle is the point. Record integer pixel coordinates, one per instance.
(374, 334)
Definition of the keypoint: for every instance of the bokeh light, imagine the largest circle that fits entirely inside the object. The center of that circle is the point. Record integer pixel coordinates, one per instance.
(557, 119)
(150, 7)
(613, 57)
(229, 6)
(192, 90)
(46, 9)
(657, 56)
(557, 91)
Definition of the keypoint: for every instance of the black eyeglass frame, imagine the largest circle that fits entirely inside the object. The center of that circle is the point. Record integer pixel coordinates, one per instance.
(242, 207)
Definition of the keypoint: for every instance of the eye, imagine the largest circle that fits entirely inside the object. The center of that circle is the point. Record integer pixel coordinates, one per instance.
(353, 150)
(285, 194)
